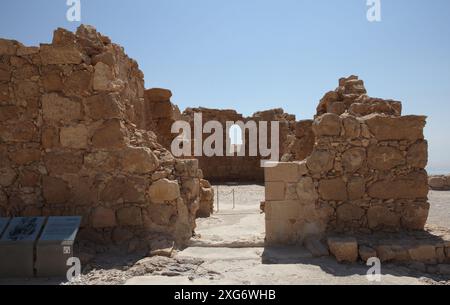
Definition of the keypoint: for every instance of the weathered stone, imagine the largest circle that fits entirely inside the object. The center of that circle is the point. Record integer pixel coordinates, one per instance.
(121, 235)
(282, 171)
(418, 154)
(129, 216)
(353, 159)
(333, 189)
(7, 47)
(79, 83)
(7, 176)
(160, 214)
(60, 163)
(84, 191)
(50, 137)
(74, 136)
(352, 127)
(385, 157)
(423, 253)
(164, 190)
(112, 134)
(345, 249)
(349, 212)
(329, 98)
(26, 51)
(5, 73)
(9, 113)
(275, 191)
(120, 189)
(444, 269)
(327, 125)
(104, 106)
(29, 178)
(158, 95)
(90, 40)
(25, 156)
(412, 186)
(392, 252)
(437, 182)
(5, 94)
(320, 161)
(19, 131)
(162, 248)
(382, 217)
(316, 247)
(365, 253)
(56, 191)
(103, 218)
(56, 108)
(104, 78)
(414, 216)
(139, 160)
(107, 58)
(26, 72)
(356, 188)
(306, 191)
(51, 79)
(337, 108)
(52, 55)
(386, 128)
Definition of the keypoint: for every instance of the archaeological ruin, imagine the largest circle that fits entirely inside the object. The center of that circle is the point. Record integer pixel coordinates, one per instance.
(366, 172)
(80, 135)
(76, 140)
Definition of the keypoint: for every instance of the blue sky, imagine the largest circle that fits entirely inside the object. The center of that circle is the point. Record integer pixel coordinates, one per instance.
(253, 55)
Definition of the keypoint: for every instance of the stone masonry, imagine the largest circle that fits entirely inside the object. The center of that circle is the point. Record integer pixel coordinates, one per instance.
(439, 183)
(296, 137)
(366, 172)
(76, 139)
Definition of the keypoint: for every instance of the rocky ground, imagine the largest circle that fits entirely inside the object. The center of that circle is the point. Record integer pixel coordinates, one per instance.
(228, 249)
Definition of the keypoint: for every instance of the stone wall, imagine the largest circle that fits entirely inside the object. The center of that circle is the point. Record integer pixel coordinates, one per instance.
(366, 172)
(160, 114)
(295, 143)
(296, 138)
(75, 139)
(439, 183)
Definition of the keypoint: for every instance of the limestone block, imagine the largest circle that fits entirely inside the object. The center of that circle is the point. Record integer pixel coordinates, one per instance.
(56, 108)
(412, 186)
(384, 157)
(333, 189)
(386, 128)
(306, 191)
(74, 136)
(103, 218)
(275, 191)
(164, 190)
(327, 125)
(283, 171)
(345, 249)
(320, 161)
(129, 216)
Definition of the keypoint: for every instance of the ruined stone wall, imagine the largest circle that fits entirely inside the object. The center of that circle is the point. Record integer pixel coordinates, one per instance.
(75, 140)
(366, 172)
(296, 138)
(294, 142)
(160, 114)
(439, 183)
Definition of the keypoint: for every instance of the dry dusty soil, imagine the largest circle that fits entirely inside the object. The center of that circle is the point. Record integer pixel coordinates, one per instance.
(229, 249)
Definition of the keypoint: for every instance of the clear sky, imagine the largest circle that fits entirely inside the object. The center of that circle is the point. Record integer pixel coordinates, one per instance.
(254, 55)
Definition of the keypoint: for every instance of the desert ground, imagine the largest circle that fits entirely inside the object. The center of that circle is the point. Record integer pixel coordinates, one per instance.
(229, 249)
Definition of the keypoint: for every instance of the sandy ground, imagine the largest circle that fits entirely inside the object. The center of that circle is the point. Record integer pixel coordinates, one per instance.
(231, 245)
(229, 249)
(440, 208)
